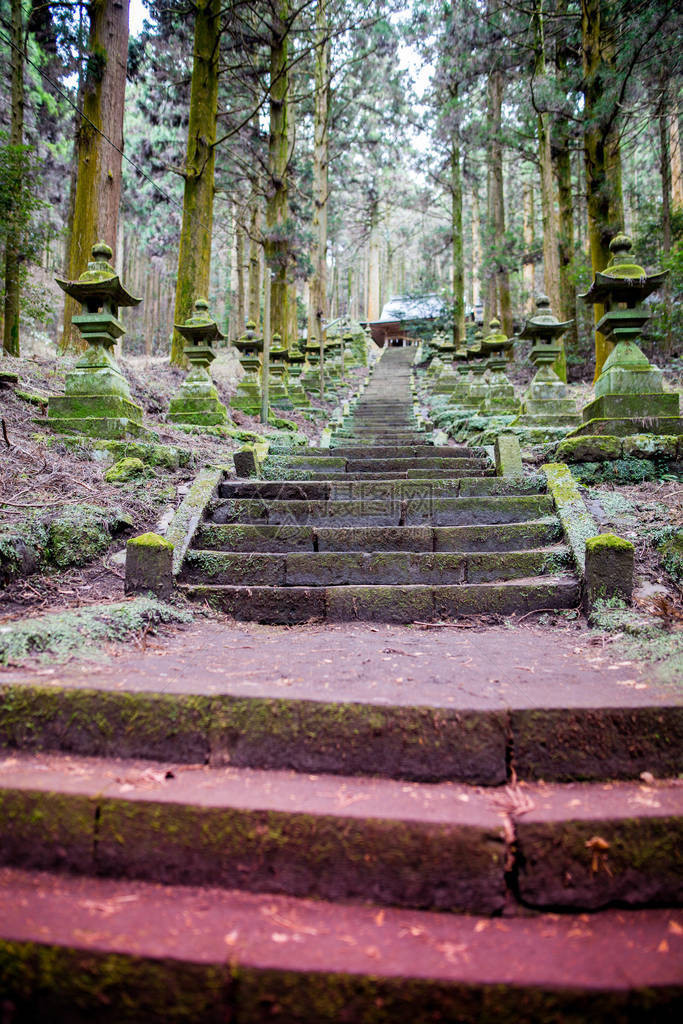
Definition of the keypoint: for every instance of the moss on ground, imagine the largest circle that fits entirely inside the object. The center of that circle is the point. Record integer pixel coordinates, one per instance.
(57, 636)
(642, 637)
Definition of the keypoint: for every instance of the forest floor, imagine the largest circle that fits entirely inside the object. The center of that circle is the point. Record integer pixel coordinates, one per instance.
(42, 472)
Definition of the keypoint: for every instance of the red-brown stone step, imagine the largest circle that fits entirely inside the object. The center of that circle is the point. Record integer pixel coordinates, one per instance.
(78, 949)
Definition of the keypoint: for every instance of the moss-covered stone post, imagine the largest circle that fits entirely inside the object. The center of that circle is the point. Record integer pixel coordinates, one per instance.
(149, 566)
(609, 569)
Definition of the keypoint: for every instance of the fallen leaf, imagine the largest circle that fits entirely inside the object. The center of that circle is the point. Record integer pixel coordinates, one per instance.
(675, 928)
(231, 938)
(663, 946)
(379, 919)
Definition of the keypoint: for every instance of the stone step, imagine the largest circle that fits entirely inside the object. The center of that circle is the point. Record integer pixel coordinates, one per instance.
(436, 511)
(434, 846)
(406, 451)
(106, 950)
(459, 467)
(386, 603)
(361, 486)
(511, 537)
(416, 845)
(480, 718)
(335, 568)
(421, 474)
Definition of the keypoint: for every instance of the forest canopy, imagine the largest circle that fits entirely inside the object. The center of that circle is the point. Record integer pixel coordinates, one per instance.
(335, 154)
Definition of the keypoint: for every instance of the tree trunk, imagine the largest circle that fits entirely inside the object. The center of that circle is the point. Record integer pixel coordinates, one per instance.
(528, 236)
(665, 171)
(254, 290)
(456, 230)
(373, 262)
(675, 156)
(194, 256)
(277, 194)
(13, 244)
(495, 88)
(563, 172)
(476, 250)
(602, 155)
(317, 309)
(98, 183)
(551, 269)
(240, 235)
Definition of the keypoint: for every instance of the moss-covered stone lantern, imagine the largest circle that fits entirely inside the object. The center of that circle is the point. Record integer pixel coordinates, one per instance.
(629, 393)
(278, 395)
(296, 362)
(248, 394)
(500, 396)
(547, 408)
(197, 400)
(97, 399)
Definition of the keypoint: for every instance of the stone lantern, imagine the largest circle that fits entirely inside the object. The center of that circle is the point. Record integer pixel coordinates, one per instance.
(546, 404)
(197, 400)
(278, 396)
(310, 378)
(97, 399)
(629, 395)
(248, 394)
(297, 359)
(500, 396)
(477, 358)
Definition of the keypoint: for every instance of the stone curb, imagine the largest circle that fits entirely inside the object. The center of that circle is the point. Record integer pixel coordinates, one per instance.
(190, 513)
(578, 524)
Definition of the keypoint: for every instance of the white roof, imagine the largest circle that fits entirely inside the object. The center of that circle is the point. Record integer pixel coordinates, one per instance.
(406, 307)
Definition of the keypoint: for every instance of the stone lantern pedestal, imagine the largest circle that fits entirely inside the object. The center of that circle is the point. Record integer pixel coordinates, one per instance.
(629, 394)
(197, 401)
(546, 406)
(97, 399)
(248, 394)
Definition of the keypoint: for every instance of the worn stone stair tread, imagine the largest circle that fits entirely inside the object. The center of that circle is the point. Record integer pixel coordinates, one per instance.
(334, 568)
(206, 955)
(432, 846)
(591, 845)
(345, 487)
(261, 537)
(383, 511)
(401, 603)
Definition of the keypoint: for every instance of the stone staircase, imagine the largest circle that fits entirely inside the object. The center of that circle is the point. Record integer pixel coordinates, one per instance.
(383, 525)
(183, 843)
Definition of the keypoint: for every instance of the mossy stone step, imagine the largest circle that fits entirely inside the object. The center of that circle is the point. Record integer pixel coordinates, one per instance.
(378, 511)
(326, 837)
(335, 568)
(386, 603)
(264, 959)
(511, 537)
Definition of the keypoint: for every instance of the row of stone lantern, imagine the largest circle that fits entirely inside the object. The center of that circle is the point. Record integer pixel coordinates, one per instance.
(629, 395)
(97, 399)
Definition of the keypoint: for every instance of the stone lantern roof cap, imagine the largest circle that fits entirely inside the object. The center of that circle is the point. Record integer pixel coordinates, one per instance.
(496, 340)
(99, 281)
(544, 323)
(622, 280)
(200, 325)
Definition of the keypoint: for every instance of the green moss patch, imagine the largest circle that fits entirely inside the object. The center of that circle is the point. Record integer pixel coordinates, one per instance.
(124, 470)
(83, 630)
